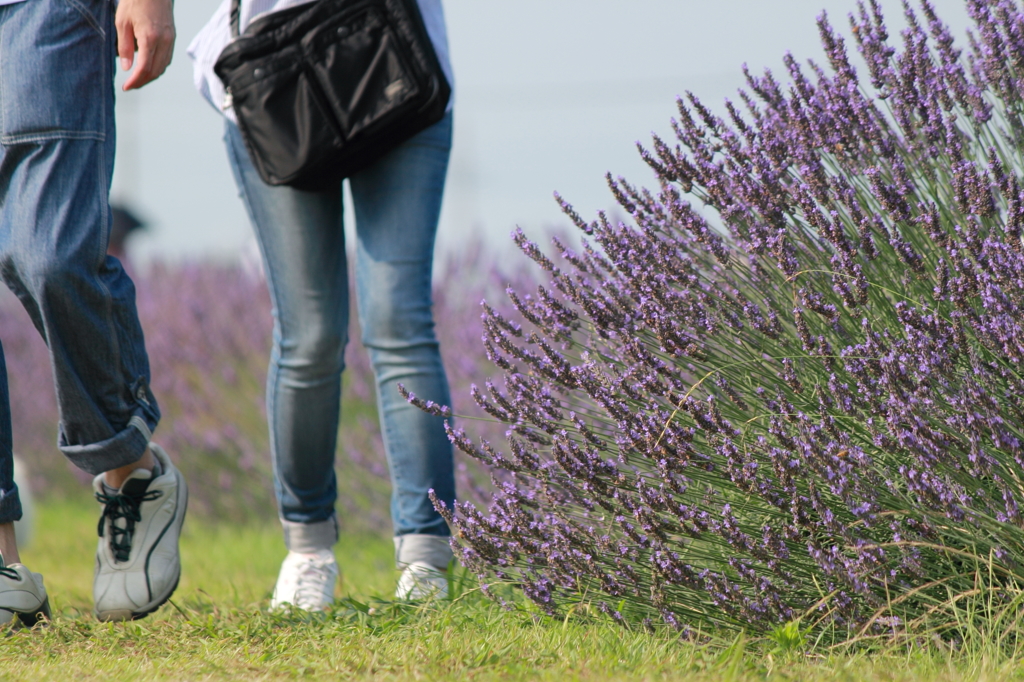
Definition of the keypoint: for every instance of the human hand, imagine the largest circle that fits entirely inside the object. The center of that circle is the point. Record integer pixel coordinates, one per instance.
(146, 26)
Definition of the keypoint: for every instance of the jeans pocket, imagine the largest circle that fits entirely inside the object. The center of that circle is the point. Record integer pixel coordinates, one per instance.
(56, 73)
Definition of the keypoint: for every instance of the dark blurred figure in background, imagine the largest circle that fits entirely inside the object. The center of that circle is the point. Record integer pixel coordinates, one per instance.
(124, 224)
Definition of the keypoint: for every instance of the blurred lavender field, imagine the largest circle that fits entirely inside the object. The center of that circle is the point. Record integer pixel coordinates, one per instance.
(208, 331)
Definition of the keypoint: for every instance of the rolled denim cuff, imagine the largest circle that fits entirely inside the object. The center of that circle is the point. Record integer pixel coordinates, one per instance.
(306, 538)
(120, 450)
(433, 550)
(10, 505)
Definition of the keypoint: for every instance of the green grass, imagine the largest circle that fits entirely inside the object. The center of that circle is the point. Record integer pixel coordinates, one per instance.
(218, 628)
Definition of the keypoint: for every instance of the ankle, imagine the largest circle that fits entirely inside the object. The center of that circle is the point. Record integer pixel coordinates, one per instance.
(322, 553)
(115, 478)
(9, 544)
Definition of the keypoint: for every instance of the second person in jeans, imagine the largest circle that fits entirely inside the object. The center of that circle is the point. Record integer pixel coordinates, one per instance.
(397, 202)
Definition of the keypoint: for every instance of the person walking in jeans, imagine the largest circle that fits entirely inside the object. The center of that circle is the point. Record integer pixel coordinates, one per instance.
(57, 60)
(397, 201)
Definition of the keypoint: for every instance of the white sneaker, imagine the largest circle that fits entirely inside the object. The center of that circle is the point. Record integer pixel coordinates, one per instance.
(420, 580)
(22, 594)
(137, 560)
(306, 581)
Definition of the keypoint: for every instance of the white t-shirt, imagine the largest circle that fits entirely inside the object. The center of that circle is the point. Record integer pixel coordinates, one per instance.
(216, 34)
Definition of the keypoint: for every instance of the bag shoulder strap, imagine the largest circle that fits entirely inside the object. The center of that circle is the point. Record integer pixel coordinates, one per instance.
(236, 17)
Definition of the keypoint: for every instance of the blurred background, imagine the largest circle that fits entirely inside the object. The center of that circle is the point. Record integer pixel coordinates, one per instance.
(550, 95)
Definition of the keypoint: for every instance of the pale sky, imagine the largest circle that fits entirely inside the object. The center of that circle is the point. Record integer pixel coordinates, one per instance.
(550, 95)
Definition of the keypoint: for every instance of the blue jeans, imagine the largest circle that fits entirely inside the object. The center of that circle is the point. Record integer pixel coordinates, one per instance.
(397, 204)
(56, 159)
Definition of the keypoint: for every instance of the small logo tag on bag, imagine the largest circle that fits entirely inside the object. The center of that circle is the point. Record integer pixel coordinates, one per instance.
(395, 89)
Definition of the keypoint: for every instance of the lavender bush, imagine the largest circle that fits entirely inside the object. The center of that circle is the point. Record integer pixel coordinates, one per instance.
(208, 333)
(812, 415)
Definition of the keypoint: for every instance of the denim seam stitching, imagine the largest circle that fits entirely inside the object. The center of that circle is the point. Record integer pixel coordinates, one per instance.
(101, 245)
(273, 372)
(3, 83)
(3, 120)
(88, 16)
(59, 134)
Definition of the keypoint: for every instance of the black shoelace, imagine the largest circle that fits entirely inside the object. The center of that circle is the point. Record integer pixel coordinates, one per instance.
(8, 572)
(123, 505)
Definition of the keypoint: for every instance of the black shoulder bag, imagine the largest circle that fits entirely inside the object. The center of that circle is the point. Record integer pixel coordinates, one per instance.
(322, 90)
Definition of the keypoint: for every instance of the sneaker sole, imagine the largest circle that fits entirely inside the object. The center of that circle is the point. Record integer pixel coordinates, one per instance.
(41, 615)
(121, 615)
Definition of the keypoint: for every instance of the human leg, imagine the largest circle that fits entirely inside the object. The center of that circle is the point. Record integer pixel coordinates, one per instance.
(22, 594)
(303, 247)
(397, 205)
(52, 232)
(10, 504)
(56, 159)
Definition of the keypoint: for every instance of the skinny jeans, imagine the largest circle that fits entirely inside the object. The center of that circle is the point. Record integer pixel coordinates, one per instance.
(397, 202)
(56, 160)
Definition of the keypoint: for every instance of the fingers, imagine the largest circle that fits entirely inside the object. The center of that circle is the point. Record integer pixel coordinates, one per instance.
(145, 26)
(152, 59)
(154, 54)
(126, 44)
